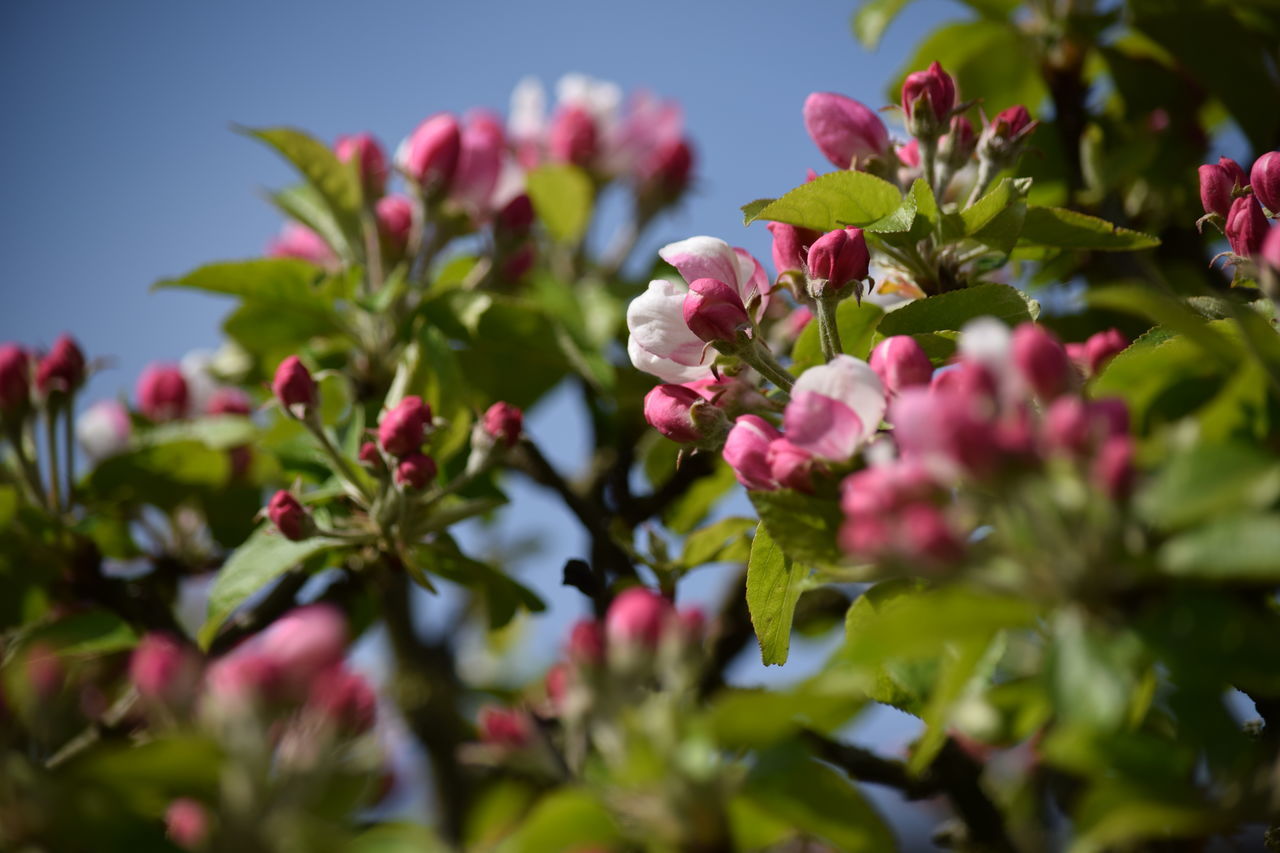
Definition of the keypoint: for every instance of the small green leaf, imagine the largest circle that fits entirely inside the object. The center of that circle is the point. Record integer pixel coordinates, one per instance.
(220, 432)
(900, 221)
(1057, 228)
(803, 525)
(723, 541)
(1168, 311)
(834, 200)
(1236, 548)
(88, 634)
(857, 324)
(265, 556)
(817, 800)
(756, 717)
(774, 584)
(1207, 480)
(565, 819)
(683, 515)
(563, 197)
(873, 18)
(950, 311)
(980, 214)
(270, 281)
(307, 206)
(337, 183)
(751, 210)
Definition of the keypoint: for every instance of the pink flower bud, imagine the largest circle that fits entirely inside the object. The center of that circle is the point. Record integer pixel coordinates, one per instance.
(925, 535)
(790, 466)
(401, 429)
(586, 643)
(959, 143)
(884, 489)
(1041, 360)
(344, 698)
(104, 429)
(746, 451)
(162, 392)
(845, 131)
(933, 89)
(665, 172)
(669, 410)
(515, 218)
(1270, 253)
(299, 241)
(791, 246)
(1113, 470)
(15, 380)
(63, 369)
(243, 676)
(288, 516)
(516, 265)
(692, 623)
(370, 457)
(430, 154)
(508, 728)
(1103, 346)
(1217, 182)
(1264, 179)
(839, 260)
(1066, 426)
(228, 401)
(1110, 416)
(503, 423)
(372, 163)
(415, 471)
(945, 428)
(573, 136)
(714, 311)
(187, 823)
(556, 683)
(395, 221)
(305, 641)
(479, 162)
(969, 379)
(1011, 123)
(1246, 226)
(293, 386)
(162, 669)
(909, 154)
(637, 617)
(900, 363)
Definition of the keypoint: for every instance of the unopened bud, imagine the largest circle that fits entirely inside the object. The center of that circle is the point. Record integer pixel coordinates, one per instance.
(901, 362)
(289, 517)
(1041, 360)
(791, 467)
(395, 222)
(1264, 179)
(1218, 181)
(62, 370)
(586, 643)
(845, 131)
(636, 617)
(838, 262)
(505, 727)
(746, 450)
(1113, 470)
(1246, 226)
(343, 698)
(714, 311)
(573, 137)
(430, 154)
(15, 380)
(187, 823)
(670, 409)
(664, 175)
(402, 429)
(371, 458)
(372, 163)
(791, 247)
(294, 387)
(162, 392)
(1103, 346)
(503, 423)
(162, 669)
(228, 401)
(1006, 135)
(927, 99)
(415, 471)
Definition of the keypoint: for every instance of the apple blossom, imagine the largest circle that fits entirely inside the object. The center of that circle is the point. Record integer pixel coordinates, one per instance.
(835, 408)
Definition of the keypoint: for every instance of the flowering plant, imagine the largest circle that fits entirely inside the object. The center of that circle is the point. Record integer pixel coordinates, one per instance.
(1040, 521)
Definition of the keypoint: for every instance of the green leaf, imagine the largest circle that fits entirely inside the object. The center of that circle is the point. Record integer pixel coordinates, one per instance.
(751, 210)
(89, 634)
(774, 584)
(565, 819)
(399, 837)
(683, 515)
(900, 221)
(1168, 311)
(563, 197)
(337, 183)
(873, 18)
(817, 800)
(724, 541)
(756, 717)
(265, 556)
(1093, 674)
(804, 526)
(834, 200)
(903, 684)
(161, 474)
(1237, 548)
(1057, 228)
(503, 595)
(272, 281)
(980, 214)
(950, 311)
(1207, 480)
(307, 206)
(857, 324)
(220, 432)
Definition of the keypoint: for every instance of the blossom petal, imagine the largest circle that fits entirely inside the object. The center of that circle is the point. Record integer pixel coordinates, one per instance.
(850, 381)
(660, 342)
(752, 279)
(824, 427)
(703, 257)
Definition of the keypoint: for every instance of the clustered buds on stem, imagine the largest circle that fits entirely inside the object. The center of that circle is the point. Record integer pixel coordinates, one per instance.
(402, 429)
(429, 155)
(62, 371)
(1246, 226)
(714, 311)
(415, 471)
(371, 162)
(503, 423)
(289, 516)
(15, 381)
(1218, 184)
(837, 264)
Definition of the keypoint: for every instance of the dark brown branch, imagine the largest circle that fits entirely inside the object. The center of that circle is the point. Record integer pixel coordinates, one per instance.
(690, 471)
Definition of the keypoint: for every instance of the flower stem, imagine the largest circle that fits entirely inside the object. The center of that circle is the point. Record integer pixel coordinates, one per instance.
(828, 327)
(51, 441)
(70, 445)
(928, 156)
(764, 363)
(340, 462)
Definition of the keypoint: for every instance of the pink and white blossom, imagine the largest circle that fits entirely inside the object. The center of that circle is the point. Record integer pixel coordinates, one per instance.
(835, 408)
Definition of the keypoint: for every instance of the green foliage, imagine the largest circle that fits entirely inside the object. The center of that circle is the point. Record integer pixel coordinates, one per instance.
(950, 311)
(835, 200)
(804, 526)
(774, 584)
(563, 197)
(857, 323)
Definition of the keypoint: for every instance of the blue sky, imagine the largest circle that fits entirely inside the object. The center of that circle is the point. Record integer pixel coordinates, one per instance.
(120, 167)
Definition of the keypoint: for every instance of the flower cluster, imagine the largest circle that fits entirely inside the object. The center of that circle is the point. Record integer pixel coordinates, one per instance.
(1240, 204)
